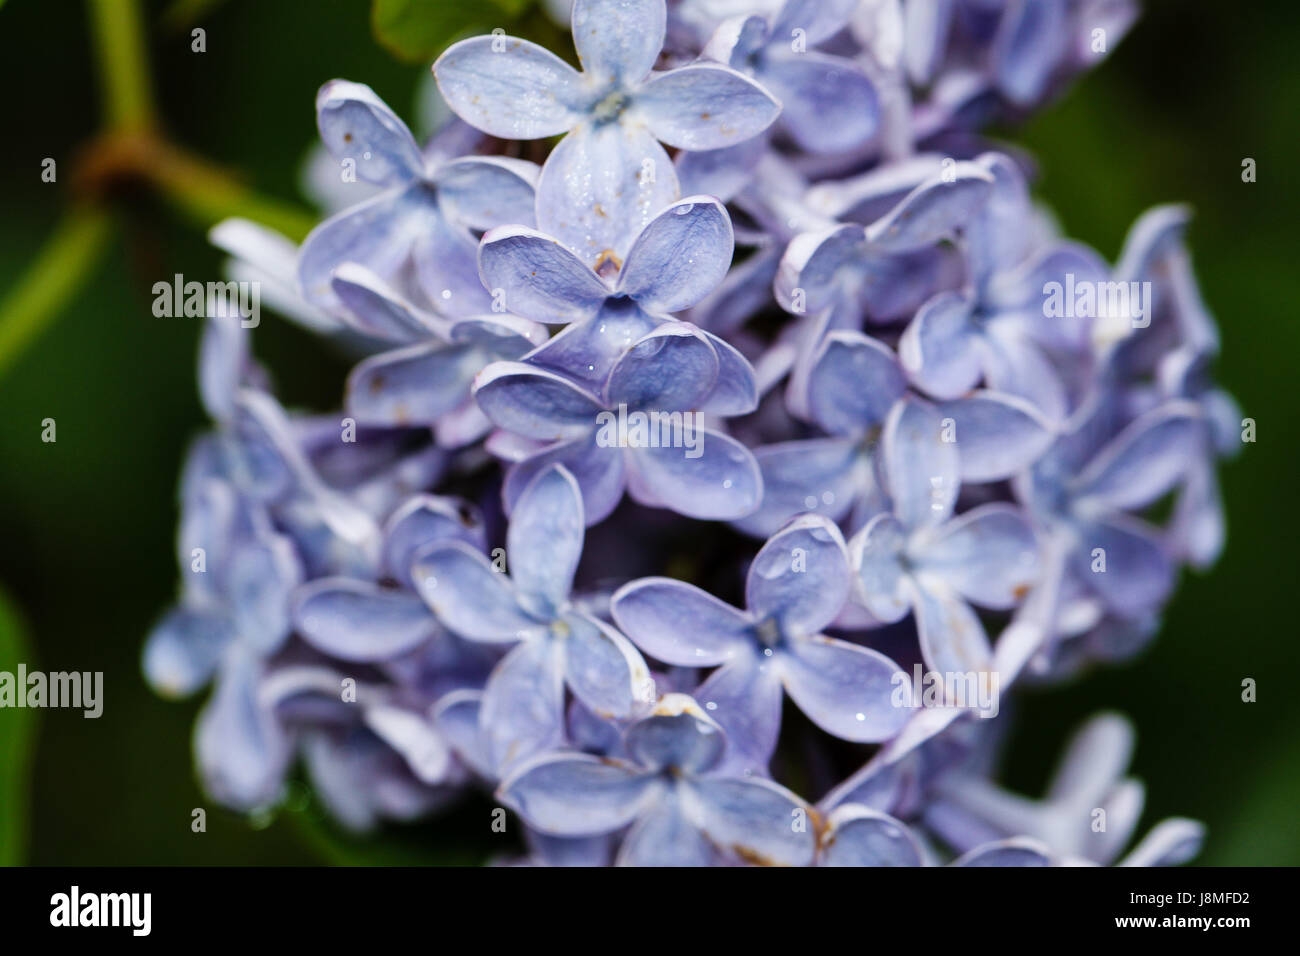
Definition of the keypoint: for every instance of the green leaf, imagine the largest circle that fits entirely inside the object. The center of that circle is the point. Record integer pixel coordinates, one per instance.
(417, 30)
(16, 730)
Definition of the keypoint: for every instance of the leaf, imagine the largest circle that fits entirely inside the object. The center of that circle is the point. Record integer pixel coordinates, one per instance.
(417, 30)
(16, 727)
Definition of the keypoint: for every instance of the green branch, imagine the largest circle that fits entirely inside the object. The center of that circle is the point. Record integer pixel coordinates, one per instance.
(124, 68)
(63, 266)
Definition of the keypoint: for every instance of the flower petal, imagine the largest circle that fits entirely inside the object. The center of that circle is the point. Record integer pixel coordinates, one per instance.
(828, 104)
(240, 748)
(604, 670)
(855, 381)
(820, 474)
(665, 837)
(680, 257)
(509, 87)
(357, 621)
(705, 106)
(721, 483)
(601, 186)
(598, 471)
(952, 638)
(422, 521)
(469, 596)
(415, 385)
(379, 234)
(920, 464)
(1170, 843)
(677, 622)
(939, 349)
(482, 192)
(989, 555)
(672, 369)
(533, 275)
(544, 540)
(1134, 570)
(933, 210)
(759, 821)
(845, 689)
(534, 402)
(744, 696)
(677, 735)
(800, 577)
(1017, 851)
(859, 836)
(997, 435)
(183, 650)
(522, 713)
(576, 794)
(374, 308)
(877, 552)
(618, 40)
(1144, 461)
(357, 125)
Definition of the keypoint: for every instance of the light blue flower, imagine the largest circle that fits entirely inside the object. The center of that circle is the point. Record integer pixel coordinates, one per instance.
(608, 176)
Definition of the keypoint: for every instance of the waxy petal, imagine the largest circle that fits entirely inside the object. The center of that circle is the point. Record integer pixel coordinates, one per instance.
(469, 596)
(576, 794)
(536, 277)
(544, 540)
(356, 621)
(509, 87)
(678, 623)
(358, 126)
(845, 689)
(680, 257)
(705, 106)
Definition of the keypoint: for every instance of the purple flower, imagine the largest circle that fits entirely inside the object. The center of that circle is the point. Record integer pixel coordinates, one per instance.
(623, 360)
(608, 175)
(797, 585)
(1083, 488)
(919, 557)
(854, 383)
(683, 807)
(555, 644)
(425, 380)
(425, 216)
(828, 103)
(1088, 816)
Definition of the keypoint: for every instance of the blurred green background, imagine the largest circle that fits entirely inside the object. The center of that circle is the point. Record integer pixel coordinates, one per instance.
(87, 523)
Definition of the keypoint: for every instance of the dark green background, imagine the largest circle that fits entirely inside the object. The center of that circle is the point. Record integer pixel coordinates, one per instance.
(86, 525)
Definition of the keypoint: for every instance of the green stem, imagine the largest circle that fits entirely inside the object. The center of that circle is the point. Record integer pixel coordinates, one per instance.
(208, 194)
(119, 36)
(63, 266)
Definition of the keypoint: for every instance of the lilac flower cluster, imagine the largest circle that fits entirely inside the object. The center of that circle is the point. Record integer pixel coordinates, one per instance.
(925, 431)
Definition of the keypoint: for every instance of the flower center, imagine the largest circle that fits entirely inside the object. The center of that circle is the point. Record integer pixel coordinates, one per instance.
(610, 107)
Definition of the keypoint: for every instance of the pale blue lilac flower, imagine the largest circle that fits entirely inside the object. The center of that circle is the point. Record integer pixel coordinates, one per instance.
(608, 176)
(996, 329)
(684, 807)
(797, 585)
(919, 557)
(423, 220)
(355, 619)
(1089, 814)
(426, 378)
(1085, 487)
(828, 104)
(372, 756)
(555, 645)
(622, 354)
(980, 451)
(853, 384)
